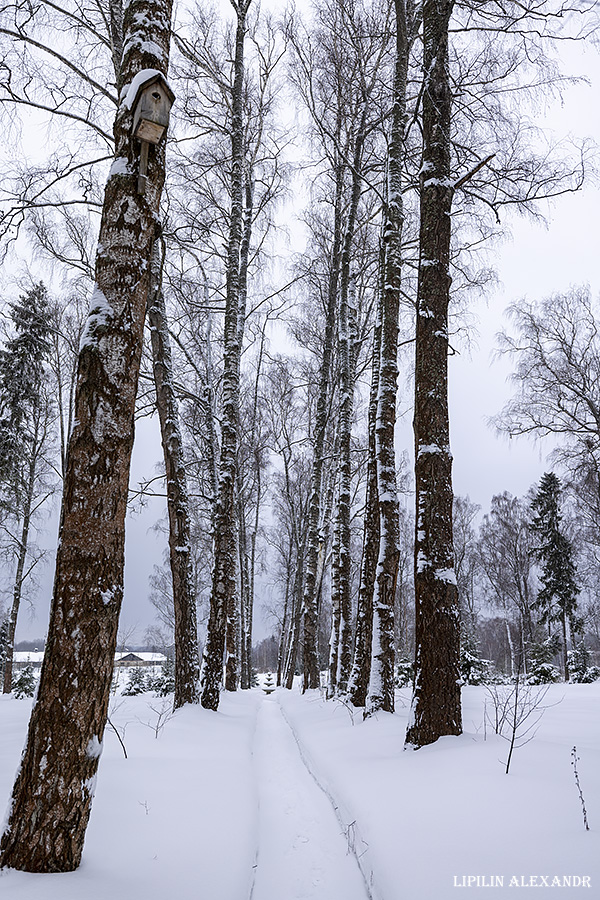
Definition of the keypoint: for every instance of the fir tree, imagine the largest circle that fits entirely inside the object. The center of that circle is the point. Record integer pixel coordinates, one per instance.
(165, 683)
(137, 682)
(24, 685)
(21, 375)
(25, 426)
(557, 598)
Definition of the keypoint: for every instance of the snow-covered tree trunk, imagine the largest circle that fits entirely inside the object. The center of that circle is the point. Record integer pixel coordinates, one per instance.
(239, 606)
(361, 667)
(244, 595)
(381, 679)
(346, 350)
(334, 638)
(296, 619)
(224, 581)
(347, 375)
(310, 602)
(55, 784)
(187, 661)
(436, 708)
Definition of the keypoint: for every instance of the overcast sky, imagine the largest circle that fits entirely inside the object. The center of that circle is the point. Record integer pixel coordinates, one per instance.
(538, 261)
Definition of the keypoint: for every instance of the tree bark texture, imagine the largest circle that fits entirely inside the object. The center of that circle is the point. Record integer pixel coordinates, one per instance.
(436, 708)
(224, 599)
(55, 784)
(381, 679)
(187, 661)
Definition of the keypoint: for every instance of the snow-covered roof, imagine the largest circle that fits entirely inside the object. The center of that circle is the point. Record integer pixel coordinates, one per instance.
(25, 656)
(145, 657)
(36, 656)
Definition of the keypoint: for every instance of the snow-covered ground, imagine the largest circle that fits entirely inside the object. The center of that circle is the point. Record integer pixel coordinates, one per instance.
(283, 797)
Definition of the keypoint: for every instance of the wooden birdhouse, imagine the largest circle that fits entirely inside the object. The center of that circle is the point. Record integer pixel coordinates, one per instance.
(151, 108)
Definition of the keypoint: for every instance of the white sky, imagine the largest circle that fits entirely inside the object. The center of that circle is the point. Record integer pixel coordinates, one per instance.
(537, 261)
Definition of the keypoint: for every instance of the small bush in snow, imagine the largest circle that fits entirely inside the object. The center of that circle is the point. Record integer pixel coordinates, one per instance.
(474, 670)
(579, 666)
(543, 673)
(541, 670)
(404, 674)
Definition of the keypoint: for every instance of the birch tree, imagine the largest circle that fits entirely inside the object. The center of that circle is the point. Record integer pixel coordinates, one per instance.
(187, 662)
(223, 594)
(53, 792)
(381, 678)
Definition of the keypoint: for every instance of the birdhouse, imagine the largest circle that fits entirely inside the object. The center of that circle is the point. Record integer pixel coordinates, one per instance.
(151, 109)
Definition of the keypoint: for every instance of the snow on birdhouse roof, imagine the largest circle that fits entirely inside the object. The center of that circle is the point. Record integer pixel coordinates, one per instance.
(142, 80)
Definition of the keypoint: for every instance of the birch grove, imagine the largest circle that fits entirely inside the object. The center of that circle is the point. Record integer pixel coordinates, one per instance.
(305, 245)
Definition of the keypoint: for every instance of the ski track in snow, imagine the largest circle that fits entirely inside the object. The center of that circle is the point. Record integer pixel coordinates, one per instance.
(302, 851)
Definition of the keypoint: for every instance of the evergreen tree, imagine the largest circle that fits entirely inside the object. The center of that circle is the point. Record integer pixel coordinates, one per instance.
(557, 599)
(21, 375)
(24, 685)
(164, 684)
(25, 427)
(137, 682)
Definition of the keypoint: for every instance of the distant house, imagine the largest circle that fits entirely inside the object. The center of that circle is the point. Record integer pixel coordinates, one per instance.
(22, 658)
(128, 658)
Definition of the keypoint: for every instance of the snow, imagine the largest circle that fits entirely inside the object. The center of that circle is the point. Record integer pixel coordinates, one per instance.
(120, 166)
(130, 91)
(285, 796)
(448, 575)
(100, 316)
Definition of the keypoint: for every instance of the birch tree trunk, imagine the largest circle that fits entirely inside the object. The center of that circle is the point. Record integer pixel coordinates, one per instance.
(52, 795)
(381, 679)
(358, 685)
(310, 602)
(334, 638)
(344, 651)
(436, 709)
(187, 661)
(346, 351)
(224, 580)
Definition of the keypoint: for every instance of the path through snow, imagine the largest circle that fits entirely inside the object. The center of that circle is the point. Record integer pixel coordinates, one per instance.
(302, 850)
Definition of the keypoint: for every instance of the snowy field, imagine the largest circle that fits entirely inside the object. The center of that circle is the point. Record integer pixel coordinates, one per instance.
(283, 797)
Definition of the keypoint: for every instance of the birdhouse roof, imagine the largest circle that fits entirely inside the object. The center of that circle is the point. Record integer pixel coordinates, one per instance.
(145, 79)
